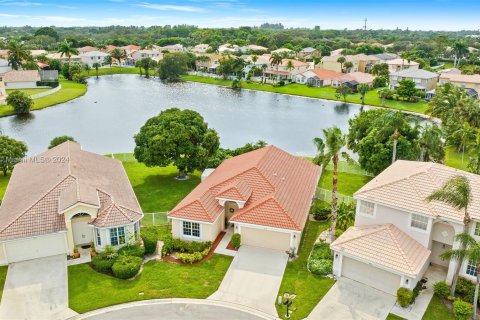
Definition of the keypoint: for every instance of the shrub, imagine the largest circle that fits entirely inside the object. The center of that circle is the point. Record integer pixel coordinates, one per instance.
(126, 267)
(338, 232)
(462, 310)
(321, 267)
(20, 101)
(150, 238)
(104, 261)
(167, 246)
(192, 257)
(190, 247)
(465, 289)
(135, 250)
(404, 297)
(236, 240)
(48, 83)
(441, 289)
(321, 210)
(321, 250)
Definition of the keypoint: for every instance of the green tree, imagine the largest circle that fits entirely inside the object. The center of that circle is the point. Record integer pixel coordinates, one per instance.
(11, 152)
(96, 65)
(66, 49)
(87, 68)
(172, 66)
(343, 91)
(392, 122)
(406, 89)
(17, 54)
(236, 84)
(181, 137)
(276, 60)
(431, 144)
(460, 49)
(55, 64)
(380, 69)
(383, 93)
(469, 251)
(380, 82)
(447, 98)
(147, 64)
(348, 65)
(329, 150)
(341, 60)
(290, 65)
(456, 192)
(108, 60)
(363, 88)
(119, 55)
(47, 31)
(474, 163)
(59, 140)
(462, 138)
(20, 101)
(30, 65)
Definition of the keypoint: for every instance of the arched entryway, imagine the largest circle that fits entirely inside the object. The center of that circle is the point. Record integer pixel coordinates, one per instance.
(82, 231)
(442, 240)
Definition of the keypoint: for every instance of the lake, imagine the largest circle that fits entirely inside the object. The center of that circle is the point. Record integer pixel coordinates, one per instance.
(115, 107)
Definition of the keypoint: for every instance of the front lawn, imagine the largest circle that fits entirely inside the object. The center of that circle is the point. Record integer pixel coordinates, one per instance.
(89, 290)
(308, 287)
(438, 310)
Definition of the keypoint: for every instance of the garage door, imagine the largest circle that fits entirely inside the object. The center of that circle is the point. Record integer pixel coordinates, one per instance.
(370, 275)
(36, 247)
(265, 239)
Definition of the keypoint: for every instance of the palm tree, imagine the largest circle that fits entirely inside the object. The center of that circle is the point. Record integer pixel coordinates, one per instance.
(341, 60)
(348, 65)
(108, 60)
(264, 67)
(469, 251)
(474, 163)
(118, 54)
(96, 65)
(383, 93)
(276, 60)
(363, 88)
(463, 137)
(17, 54)
(431, 143)
(87, 68)
(460, 49)
(392, 122)
(66, 49)
(457, 193)
(334, 142)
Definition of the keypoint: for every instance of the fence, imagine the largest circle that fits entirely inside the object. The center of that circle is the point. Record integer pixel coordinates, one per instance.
(326, 195)
(154, 219)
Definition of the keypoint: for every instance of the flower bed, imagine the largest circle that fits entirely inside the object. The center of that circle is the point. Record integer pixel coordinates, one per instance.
(124, 264)
(183, 252)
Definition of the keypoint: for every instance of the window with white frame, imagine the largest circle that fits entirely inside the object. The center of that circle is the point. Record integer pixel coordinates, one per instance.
(117, 236)
(419, 222)
(191, 229)
(472, 268)
(98, 237)
(477, 229)
(366, 208)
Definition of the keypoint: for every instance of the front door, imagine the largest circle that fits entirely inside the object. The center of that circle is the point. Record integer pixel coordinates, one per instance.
(437, 249)
(82, 232)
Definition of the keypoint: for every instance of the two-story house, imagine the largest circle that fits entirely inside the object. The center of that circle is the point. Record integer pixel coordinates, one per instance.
(398, 234)
(471, 83)
(424, 80)
(92, 57)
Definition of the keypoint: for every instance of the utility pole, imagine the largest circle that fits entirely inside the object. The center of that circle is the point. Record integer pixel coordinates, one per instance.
(365, 24)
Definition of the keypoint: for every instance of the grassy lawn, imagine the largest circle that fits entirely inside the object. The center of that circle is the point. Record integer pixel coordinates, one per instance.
(454, 159)
(113, 70)
(89, 290)
(70, 90)
(392, 316)
(3, 183)
(30, 91)
(155, 187)
(308, 287)
(328, 93)
(348, 183)
(438, 310)
(3, 277)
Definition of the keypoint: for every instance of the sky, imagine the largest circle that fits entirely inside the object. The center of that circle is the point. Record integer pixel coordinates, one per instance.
(328, 14)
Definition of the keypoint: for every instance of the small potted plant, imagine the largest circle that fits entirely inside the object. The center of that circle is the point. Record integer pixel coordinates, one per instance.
(93, 252)
(76, 254)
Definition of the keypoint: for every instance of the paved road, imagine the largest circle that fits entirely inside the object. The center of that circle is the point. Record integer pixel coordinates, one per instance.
(253, 279)
(175, 309)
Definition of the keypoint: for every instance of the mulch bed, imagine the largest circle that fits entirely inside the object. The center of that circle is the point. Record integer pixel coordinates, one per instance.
(207, 257)
(230, 246)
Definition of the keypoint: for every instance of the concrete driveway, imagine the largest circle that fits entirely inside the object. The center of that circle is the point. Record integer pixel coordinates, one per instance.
(348, 299)
(36, 289)
(253, 279)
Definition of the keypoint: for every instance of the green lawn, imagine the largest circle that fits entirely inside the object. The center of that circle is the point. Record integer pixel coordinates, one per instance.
(89, 290)
(3, 277)
(155, 187)
(109, 71)
(69, 91)
(30, 91)
(348, 183)
(3, 183)
(454, 159)
(438, 310)
(392, 316)
(328, 93)
(308, 287)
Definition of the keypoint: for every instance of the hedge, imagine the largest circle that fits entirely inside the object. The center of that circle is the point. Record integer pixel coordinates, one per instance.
(404, 297)
(193, 257)
(462, 310)
(322, 267)
(150, 239)
(104, 261)
(441, 289)
(236, 240)
(134, 250)
(126, 267)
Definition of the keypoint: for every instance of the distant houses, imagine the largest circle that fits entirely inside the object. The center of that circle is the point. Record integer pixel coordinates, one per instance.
(424, 80)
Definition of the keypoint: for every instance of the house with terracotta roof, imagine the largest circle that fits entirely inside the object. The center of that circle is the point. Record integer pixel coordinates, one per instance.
(64, 198)
(398, 234)
(318, 77)
(282, 72)
(264, 195)
(86, 49)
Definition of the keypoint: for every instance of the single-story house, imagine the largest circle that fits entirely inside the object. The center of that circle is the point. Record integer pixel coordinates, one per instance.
(318, 77)
(354, 77)
(64, 198)
(309, 53)
(285, 51)
(282, 70)
(264, 195)
(91, 57)
(254, 48)
(399, 64)
(424, 80)
(21, 79)
(398, 234)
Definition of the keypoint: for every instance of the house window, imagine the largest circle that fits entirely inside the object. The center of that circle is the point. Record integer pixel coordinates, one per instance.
(472, 268)
(98, 237)
(191, 229)
(117, 236)
(136, 229)
(419, 222)
(366, 208)
(477, 229)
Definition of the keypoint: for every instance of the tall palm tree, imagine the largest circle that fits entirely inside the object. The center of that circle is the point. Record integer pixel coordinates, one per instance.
(348, 65)
(276, 60)
(383, 94)
(66, 49)
(457, 193)
(119, 55)
(17, 54)
(463, 137)
(431, 143)
(447, 98)
(341, 60)
(334, 142)
(474, 163)
(96, 65)
(392, 122)
(363, 88)
(469, 251)
(460, 49)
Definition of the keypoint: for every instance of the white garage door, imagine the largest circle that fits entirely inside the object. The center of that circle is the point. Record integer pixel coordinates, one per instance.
(265, 239)
(370, 275)
(36, 247)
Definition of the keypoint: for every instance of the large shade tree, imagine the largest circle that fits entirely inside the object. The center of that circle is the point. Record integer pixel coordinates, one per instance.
(178, 137)
(457, 193)
(11, 152)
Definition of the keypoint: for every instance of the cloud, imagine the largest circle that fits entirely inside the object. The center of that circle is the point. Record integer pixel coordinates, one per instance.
(170, 7)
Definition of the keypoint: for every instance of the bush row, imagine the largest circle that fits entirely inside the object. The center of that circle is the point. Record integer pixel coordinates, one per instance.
(193, 257)
(170, 245)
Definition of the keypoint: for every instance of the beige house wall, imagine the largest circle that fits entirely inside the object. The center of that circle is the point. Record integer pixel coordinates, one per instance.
(465, 85)
(208, 231)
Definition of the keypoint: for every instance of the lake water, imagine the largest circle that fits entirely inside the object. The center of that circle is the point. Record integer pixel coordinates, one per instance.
(115, 107)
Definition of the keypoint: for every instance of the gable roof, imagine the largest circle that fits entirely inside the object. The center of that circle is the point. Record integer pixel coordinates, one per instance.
(475, 78)
(407, 184)
(278, 186)
(385, 245)
(403, 62)
(415, 73)
(323, 74)
(21, 75)
(57, 179)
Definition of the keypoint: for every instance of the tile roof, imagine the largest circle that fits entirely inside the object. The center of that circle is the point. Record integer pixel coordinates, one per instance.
(475, 78)
(407, 184)
(282, 187)
(403, 62)
(415, 73)
(238, 190)
(385, 245)
(56, 179)
(323, 74)
(360, 77)
(20, 76)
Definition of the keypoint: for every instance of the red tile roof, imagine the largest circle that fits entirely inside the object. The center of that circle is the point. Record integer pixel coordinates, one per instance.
(282, 188)
(238, 190)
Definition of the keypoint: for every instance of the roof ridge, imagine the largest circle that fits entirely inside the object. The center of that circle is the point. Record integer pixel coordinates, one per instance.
(373, 228)
(36, 202)
(399, 247)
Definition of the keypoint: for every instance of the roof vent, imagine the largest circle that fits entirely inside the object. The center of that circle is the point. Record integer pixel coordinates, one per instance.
(283, 178)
